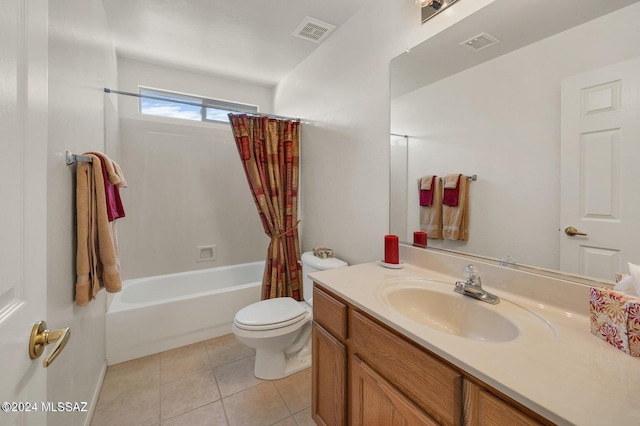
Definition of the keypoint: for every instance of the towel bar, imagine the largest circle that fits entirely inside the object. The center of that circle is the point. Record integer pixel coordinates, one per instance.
(471, 178)
(73, 158)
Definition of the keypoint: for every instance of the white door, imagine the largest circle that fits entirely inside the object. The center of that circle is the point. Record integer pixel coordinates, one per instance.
(600, 177)
(23, 196)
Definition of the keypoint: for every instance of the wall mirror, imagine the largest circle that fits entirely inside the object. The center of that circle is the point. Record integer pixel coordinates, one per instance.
(505, 111)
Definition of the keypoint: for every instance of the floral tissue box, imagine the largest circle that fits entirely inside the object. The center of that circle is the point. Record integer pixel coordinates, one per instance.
(615, 318)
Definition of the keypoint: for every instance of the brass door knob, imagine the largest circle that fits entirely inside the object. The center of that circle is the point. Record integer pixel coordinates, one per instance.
(571, 231)
(41, 337)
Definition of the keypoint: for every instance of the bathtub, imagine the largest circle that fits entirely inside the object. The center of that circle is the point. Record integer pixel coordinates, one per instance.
(154, 314)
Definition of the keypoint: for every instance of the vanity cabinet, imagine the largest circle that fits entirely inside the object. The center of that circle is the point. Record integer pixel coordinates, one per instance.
(365, 373)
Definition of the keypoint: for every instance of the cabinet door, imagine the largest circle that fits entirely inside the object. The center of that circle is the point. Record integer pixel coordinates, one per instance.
(329, 378)
(374, 401)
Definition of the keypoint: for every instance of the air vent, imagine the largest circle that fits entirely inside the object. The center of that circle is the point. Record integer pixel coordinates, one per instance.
(313, 30)
(479, 42)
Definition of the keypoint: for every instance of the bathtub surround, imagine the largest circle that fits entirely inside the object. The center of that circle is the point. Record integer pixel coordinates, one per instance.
(172, 163)
(269, 151)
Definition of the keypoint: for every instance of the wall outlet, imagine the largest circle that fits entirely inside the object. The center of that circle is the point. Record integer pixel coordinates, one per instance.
(206, 253)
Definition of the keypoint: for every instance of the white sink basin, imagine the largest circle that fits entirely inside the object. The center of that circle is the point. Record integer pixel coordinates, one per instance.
(435, 305)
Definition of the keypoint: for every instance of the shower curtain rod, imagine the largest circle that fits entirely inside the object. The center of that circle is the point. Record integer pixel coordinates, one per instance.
(398, 134)
(158, 98)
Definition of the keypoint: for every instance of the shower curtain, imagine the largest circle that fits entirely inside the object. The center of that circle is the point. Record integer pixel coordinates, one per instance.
(269, 150)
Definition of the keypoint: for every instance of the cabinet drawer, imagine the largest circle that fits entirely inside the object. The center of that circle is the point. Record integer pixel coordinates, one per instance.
(432, 385)
(330, 313)
(484, 409)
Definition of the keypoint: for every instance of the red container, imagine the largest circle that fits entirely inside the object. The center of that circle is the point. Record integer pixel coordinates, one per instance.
(391, 249)
(420, 239)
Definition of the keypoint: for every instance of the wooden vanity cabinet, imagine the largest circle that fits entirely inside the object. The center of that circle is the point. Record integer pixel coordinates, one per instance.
(365, 373)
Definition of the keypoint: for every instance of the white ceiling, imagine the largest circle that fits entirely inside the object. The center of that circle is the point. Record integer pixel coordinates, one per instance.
(244, 39)
(516, 23)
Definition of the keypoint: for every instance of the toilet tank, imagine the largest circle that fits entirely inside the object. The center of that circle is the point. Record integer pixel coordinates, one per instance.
(312, 263)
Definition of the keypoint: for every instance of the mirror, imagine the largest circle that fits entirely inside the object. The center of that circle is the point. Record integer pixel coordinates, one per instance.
(496, 112)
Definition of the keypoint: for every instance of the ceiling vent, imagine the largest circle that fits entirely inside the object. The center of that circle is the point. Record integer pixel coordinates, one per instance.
(313, 30)
(479, 42)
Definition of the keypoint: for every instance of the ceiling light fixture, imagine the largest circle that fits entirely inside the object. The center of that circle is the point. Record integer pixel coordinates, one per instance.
(435, 4)
(431, 8)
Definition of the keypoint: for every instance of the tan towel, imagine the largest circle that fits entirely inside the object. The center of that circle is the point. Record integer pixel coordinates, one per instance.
(96, 257)
(455, 219)
(114, 172)
(425, 182)
(431, 216)
(451, 181)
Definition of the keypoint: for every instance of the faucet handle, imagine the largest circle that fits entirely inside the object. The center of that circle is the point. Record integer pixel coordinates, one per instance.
(472, 272)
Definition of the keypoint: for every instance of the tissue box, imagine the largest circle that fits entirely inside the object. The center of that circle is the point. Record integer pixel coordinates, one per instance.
(615, 318)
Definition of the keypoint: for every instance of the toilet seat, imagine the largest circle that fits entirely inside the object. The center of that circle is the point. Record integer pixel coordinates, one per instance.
(270, 314)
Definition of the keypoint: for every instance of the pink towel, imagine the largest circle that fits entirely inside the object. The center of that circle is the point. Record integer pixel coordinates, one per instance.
(451, 190)
(115, 209)
(426, 191)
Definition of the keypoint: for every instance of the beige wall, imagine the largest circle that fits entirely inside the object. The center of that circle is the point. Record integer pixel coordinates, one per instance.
(342, 93)
(81, 63)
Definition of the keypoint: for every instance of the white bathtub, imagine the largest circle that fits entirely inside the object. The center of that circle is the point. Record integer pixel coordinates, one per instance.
(154, 314)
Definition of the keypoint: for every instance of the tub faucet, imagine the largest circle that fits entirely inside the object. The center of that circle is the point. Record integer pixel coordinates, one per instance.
(473, 287)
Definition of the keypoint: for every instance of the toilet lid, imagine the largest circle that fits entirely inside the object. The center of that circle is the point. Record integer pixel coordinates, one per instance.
(270, 313)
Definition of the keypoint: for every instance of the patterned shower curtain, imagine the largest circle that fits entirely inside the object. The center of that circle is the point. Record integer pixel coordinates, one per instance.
(269, 150)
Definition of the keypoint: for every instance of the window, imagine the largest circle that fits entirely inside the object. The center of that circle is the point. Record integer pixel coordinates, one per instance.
(176, 105)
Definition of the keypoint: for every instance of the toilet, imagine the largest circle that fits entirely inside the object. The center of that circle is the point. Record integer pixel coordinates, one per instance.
(280, 329)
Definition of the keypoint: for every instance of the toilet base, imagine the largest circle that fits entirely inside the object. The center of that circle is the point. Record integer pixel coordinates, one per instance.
(273, 365)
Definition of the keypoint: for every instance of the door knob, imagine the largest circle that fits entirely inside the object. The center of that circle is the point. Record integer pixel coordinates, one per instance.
(571, 231)
(41, 337)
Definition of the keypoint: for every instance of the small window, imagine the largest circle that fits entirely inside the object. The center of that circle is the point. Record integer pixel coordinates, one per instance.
(177, 105)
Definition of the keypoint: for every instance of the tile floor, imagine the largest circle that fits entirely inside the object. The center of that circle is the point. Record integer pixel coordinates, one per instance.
(206, 383)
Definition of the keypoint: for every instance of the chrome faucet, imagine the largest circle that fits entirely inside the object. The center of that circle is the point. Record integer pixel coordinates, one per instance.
(473, 287)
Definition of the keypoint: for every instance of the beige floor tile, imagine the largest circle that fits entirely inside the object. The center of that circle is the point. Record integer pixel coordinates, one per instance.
(289, 421)
(183, 386)
(188, 393)
(303, 418)
(236, 376)
(226, 349)
(184, 361)
(256, 406)
(136, 409)
(208, 415)
(131, 376)
(296, 390)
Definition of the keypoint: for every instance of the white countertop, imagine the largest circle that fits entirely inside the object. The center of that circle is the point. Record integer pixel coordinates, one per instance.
(561, 371)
